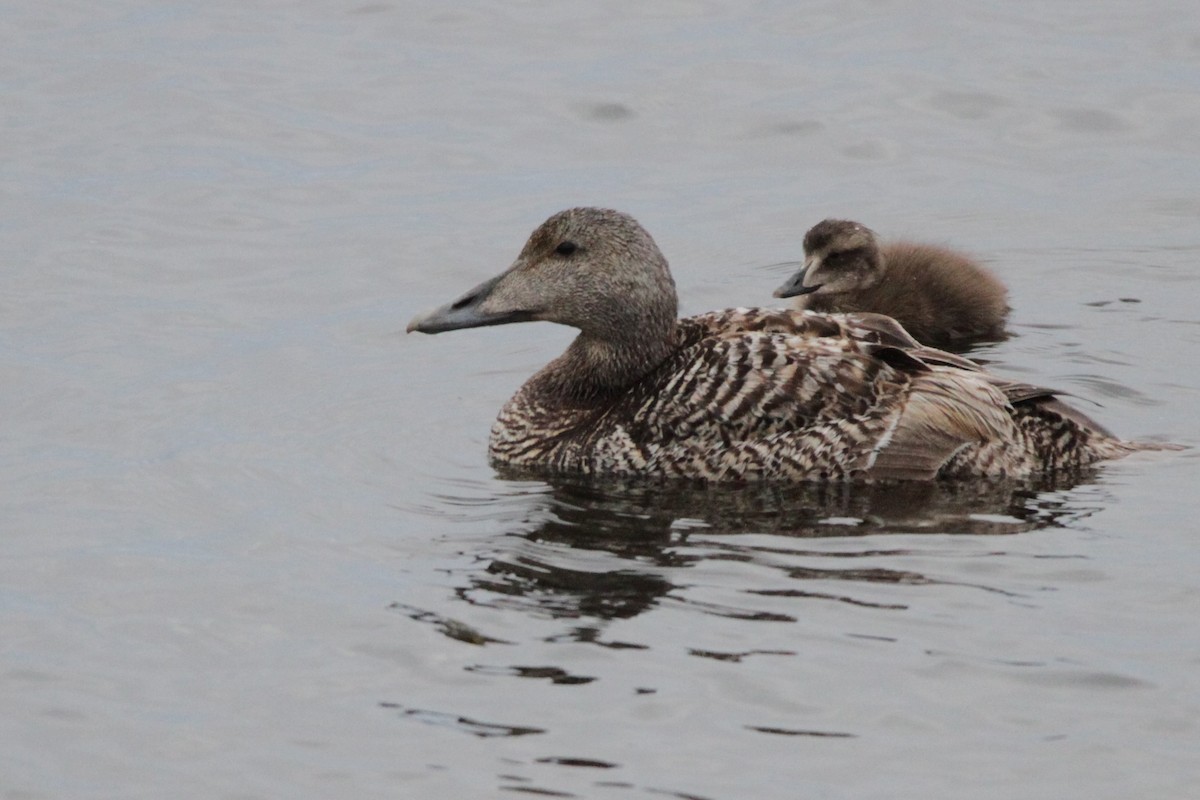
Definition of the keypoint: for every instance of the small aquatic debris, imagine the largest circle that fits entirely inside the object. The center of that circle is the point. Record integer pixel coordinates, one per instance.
(450, 627)
(795, 732)
(466, 725)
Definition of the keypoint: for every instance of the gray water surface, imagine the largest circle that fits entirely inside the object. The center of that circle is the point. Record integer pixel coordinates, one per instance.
(252, 547)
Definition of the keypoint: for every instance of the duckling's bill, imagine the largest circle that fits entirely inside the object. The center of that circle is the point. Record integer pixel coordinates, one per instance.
(794, 286)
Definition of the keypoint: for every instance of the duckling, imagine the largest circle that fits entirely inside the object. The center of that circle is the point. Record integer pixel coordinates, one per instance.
(940, 296)
(742, 394)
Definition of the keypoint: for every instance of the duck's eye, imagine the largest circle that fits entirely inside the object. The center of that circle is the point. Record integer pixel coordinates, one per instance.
(566, 248)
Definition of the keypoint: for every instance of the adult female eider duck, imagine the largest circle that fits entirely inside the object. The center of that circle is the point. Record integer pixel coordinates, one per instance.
(742, 394)
(940, 296)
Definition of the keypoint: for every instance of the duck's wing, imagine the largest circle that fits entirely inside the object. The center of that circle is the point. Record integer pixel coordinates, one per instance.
(947, 413)
(1020, 392)
(774, 402)
(738, 384)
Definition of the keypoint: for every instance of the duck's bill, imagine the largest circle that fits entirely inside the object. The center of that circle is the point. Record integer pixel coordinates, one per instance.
(795, 286)
(467, 312)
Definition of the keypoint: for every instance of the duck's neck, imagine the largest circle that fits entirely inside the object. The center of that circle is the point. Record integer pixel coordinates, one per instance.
(593, 367)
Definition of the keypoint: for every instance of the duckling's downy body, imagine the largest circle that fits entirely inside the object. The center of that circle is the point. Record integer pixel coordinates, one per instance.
(940, 296)
(743, 394)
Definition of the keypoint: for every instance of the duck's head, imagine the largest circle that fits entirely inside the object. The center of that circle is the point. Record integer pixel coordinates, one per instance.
(590, 268)
(839, 256)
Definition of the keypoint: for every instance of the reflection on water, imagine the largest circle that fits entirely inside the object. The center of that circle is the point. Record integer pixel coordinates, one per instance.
(629, 517)
(607, 550)
(585, 562)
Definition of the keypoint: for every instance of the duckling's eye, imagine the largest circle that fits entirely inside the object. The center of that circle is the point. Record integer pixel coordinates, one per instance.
(566, 248)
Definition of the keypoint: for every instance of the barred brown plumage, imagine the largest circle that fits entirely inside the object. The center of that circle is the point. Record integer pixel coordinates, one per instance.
(743, 394)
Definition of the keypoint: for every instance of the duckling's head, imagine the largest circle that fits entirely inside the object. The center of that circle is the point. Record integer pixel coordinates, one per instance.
(839, 256)
(591, 268)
